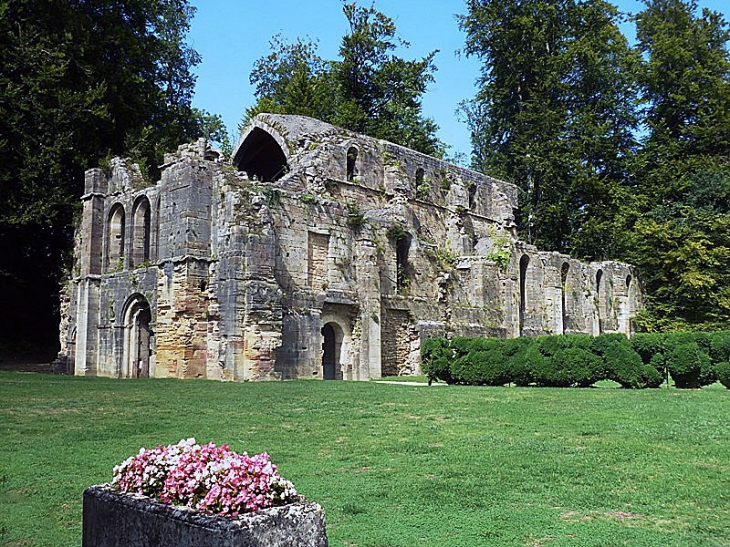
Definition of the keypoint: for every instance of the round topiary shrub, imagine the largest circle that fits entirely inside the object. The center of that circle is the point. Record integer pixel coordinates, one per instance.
(689, 367)
(648, 345)
(488, 367)
(436, 357)
(723, 373)
(651, 377)
(623, 365)
(578, 367)
(720, 347)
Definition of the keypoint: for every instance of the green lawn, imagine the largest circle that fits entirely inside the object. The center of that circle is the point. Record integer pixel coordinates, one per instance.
(393, 465)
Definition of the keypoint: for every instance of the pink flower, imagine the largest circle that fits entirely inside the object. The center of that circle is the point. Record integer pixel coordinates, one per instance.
(208, 478)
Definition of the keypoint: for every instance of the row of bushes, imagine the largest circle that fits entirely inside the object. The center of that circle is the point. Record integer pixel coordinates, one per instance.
(692, 359)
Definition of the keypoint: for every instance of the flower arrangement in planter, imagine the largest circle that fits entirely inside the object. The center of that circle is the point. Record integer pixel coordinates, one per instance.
(209, 478)
(204, 495)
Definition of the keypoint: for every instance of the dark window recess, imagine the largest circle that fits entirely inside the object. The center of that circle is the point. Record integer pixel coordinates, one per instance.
(261, 157)
(351, 163)
(402, 246)
(524, 262)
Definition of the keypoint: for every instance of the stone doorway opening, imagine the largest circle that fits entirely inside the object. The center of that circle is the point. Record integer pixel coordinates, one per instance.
(331, 347)
(137, 339)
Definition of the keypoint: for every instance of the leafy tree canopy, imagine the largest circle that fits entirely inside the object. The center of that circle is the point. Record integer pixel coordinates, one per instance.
(555, 113)
(681, 239)
(79, 80)
(368, 89)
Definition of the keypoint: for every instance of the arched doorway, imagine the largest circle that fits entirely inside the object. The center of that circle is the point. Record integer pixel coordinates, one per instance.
(332, 336)
(137, 338)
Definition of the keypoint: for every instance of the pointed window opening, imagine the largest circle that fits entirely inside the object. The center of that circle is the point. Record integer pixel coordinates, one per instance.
(402, 248)
(352, 163)
(524, 262)
(157, 229)
(600, 297)
(115, 238)
(141, 232)
(261, 157)
(563, 292)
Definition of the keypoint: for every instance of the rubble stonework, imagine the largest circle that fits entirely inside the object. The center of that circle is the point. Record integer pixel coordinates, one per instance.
(319, 253)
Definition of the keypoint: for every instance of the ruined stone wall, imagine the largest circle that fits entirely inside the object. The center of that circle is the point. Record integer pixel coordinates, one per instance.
(318, 253)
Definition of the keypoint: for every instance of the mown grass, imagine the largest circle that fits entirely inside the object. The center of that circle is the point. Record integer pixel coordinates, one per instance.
(393, 465)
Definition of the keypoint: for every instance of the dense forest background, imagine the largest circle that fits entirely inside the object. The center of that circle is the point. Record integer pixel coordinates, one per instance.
(620, 150)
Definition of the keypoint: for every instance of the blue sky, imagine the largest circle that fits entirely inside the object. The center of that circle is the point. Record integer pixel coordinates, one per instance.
(232, 34)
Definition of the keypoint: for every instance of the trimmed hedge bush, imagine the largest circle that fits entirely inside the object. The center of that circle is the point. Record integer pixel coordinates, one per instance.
(723, 373)
(693, 359)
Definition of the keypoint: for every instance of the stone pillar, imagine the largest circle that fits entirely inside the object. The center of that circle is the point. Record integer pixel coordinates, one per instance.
(367, 274)
(91, 230)
(87, 318)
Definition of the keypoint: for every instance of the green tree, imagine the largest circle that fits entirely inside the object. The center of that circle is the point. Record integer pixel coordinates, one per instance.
(554, 113)
(681, 235)
(290, 80)
(368, 89)
(79, 80)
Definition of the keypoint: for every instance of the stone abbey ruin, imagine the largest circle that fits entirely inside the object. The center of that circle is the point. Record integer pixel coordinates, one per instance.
(319, 253)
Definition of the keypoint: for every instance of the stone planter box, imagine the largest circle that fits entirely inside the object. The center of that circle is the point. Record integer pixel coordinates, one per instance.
(113, 519)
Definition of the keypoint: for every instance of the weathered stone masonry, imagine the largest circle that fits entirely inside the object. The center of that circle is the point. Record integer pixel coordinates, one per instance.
(318, 254)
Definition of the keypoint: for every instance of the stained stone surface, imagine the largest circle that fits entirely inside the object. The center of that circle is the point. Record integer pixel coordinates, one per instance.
(111, 519)
(232, 271)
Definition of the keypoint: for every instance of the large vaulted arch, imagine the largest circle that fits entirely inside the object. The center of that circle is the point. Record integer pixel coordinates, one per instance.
(261, 156)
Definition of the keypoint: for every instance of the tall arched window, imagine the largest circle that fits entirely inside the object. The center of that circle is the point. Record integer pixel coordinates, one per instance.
(351, 163)
(524, 262)
(563, 291)
(156, 233)
(141, 231)
(115, 238)
(600, 300)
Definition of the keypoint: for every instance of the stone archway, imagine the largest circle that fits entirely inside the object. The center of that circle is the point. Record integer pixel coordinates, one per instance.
(333, 338)
(137, 338)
